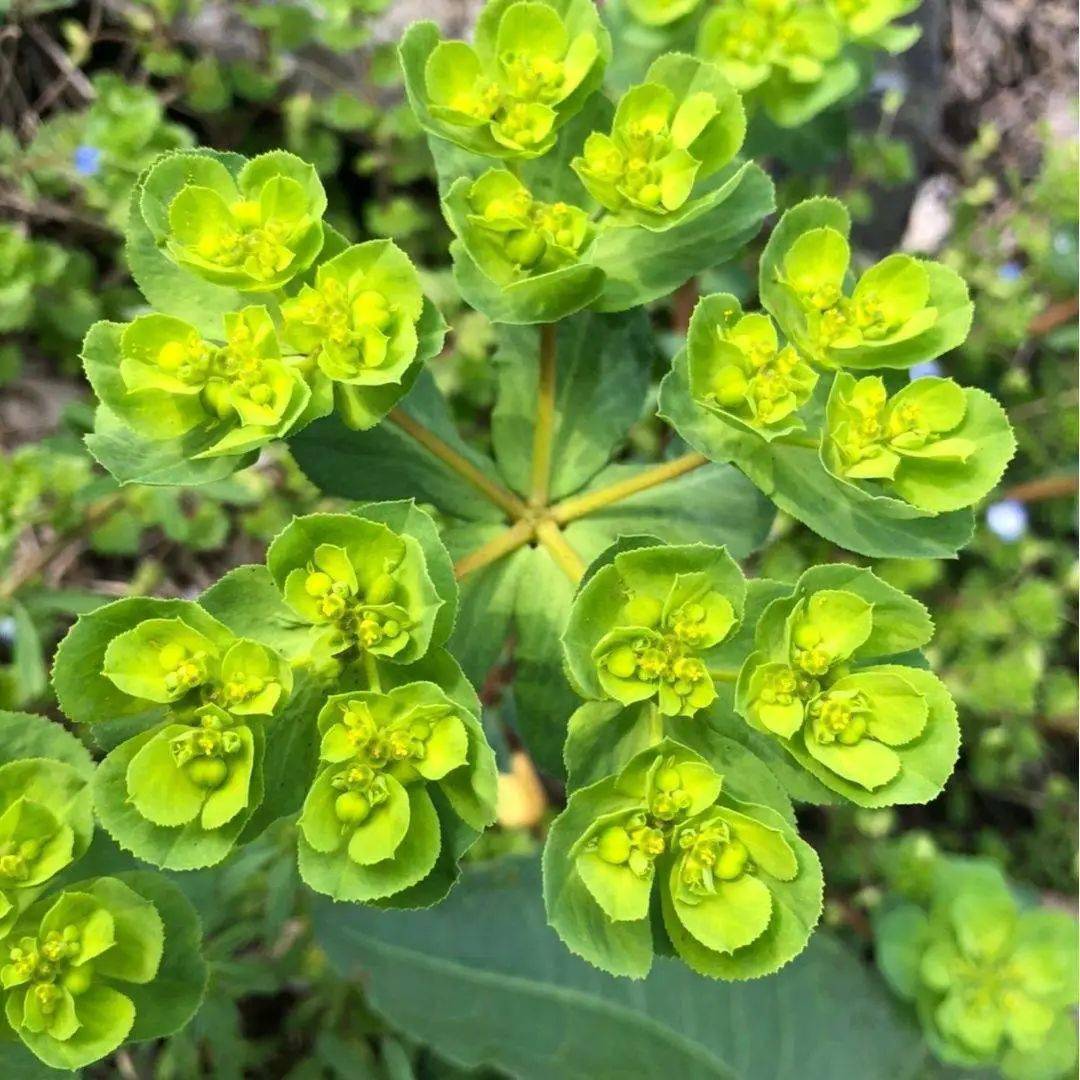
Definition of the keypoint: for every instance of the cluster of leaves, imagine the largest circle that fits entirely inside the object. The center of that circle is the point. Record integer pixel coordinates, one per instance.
(993, 981)
(792, 59)
(81, 956)
(212, 734)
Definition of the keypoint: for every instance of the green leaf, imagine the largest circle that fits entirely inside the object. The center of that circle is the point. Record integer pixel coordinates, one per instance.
(384, 462)
(165, 1005)
(25, 735)
(534, 1011)
(641, 265)
(602, 377)
(796, 480)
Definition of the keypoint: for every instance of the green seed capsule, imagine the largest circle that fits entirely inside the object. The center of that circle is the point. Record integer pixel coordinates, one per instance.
(729, 385)
(207, 772)
(77, 980)
(613, 846)
(806, 636)
(732, 861)
(318, 584)
(351, 807)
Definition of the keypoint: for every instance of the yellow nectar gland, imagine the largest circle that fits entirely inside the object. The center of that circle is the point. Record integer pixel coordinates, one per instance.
(634, 845)
(42, 964)
(183, 669)
(835, 719)
(670, 800)
(711, 854)
(532, 78)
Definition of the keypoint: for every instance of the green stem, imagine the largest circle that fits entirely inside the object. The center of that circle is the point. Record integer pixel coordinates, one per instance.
(565, 557)
(505, 500)
(580, 505)
(728, 675)
(371, 670)
(544, 430)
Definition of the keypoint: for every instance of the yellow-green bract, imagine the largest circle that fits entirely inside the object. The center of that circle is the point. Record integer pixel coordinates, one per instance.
(369, 826)
(820, 682)
(739, 892)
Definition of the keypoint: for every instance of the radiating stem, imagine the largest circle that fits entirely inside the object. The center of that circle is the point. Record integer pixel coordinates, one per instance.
(545, 418)
(371, 670)
(724, 674)
(508, 540)
(569, 561)
(580, 505)
(505, 500)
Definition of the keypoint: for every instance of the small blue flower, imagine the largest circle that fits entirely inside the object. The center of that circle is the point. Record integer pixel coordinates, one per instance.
(926, 368)
(1010, 271)
(1008, 520)
(87, 160)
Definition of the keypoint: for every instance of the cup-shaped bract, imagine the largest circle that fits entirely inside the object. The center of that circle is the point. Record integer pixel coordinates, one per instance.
(900, 312)
(200, 768)
(739, 892)
(358, 322)
(676, 129)
(517, 258)
(643, 626)
(365, 589)
(168, 661)
(741, 373)
(46, 822)
(935, 444)
(254, 229)
(758, 42)
(877, 733)
(160, 377)
(67, 961)
(529, 69)
(369, 828)
(993, 984)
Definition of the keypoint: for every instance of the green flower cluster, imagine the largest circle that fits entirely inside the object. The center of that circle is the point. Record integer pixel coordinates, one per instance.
(740, 372)
(644, 627)
(177, 792)
(364, 590)
(791, 56)
(994, 984)
(738, 891)
(530, 68)
(539, 241)
(46, 822)
(266, 320)
(934, 444)
(370, 825)
(69, 960)
(78, 959)
(792, 376)
(819, 682)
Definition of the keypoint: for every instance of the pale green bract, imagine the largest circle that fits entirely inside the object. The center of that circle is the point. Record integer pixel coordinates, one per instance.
(820, 682)
(738, 890)
(676, 129)
(369, 828)
(739, 370)
(254, 231)
(531, 66)
(937, 445)
(643, 627)
(993, 982)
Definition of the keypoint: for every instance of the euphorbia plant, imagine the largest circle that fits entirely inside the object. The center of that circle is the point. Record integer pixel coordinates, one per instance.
(335, 682)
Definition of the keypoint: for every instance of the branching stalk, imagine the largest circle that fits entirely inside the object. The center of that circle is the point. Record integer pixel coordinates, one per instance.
(518, 535)
(505, 500)
(544, 430)
(580, 505)
(568, 560)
